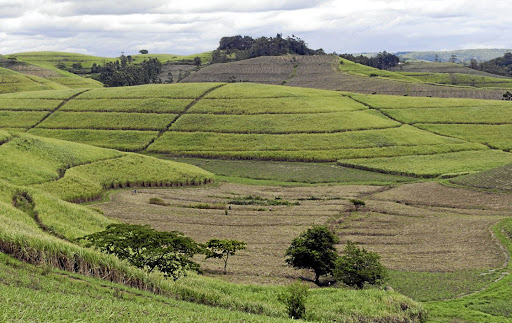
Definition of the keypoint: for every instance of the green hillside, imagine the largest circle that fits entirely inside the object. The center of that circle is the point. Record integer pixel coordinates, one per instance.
(11, 81)
(461, 54)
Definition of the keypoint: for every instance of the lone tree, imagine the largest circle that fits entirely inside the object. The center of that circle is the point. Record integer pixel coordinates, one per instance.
(143, 51)
(146, 248)
(314, 249)
(222, 249)
(359, 267)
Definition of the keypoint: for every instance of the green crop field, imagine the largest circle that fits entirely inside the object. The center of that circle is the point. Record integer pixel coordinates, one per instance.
(20, 119)
(154, 105)
(484, 115)
(253, 90)
(363, 70)
(286, 123)
(11, 81)
(462, 79)
(277, 105)
(107, 120)
(176, 91)
(496, 136)
(434, 165)
(125, 140)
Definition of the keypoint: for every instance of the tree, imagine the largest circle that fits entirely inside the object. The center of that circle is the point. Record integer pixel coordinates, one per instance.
(197, 61)
(222, 249)
(507, 96)
(294, 298)
(143, 51)
(314, 249)
(146, 248)
(357, 203)
(453, 58)
(359, 267)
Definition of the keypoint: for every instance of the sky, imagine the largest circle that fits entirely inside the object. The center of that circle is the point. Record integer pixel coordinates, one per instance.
(107, 28)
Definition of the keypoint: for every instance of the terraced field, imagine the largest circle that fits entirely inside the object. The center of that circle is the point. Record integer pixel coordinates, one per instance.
(396, 135)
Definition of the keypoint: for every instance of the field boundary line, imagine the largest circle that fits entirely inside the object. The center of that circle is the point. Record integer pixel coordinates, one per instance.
(190, 105)
(57, 108)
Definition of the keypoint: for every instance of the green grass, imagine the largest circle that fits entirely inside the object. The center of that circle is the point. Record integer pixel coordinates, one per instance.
(174, 91)
(462, 79)
(125, 140)
(296, 123)
(27, 159)
(163, 58)
(87, 182)
(4, 136)
(155, 105)
(496, 136)
(277, 105)
(499, 179)
(20, 119)
(11, 81)
(472, 115)
(292, 172)
(434, 165)
(107, 121)
(406, 102)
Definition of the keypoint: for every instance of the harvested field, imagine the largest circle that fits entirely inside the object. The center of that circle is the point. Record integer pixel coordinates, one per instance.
(321, 72)
(499, 179)
(410, 236)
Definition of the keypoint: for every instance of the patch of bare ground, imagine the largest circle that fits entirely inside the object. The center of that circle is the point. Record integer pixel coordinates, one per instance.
(410, 235)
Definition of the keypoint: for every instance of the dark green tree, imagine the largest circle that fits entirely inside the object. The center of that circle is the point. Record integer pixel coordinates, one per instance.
(222, 249)
(146, 248)
(314, 249)
(197, 61)
(358, 267)
(143, 51)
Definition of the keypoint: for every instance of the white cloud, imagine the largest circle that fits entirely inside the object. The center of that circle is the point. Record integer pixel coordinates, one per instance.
(176, 26)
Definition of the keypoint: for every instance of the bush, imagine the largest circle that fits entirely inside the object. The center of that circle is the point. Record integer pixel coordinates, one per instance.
(294, 298)
(157, 201)
(359, 267)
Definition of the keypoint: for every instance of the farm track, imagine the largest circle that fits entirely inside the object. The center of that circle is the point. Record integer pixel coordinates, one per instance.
(58, 107)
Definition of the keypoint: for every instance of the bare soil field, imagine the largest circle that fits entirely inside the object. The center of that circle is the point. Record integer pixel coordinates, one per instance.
(407, 225)
(321, 72)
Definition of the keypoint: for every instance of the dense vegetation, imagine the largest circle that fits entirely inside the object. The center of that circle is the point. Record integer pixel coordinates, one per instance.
(382, 61)
(122, 73)
(238, 47)
(500, 65)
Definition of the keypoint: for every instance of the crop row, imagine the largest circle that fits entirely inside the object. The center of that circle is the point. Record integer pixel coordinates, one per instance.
(474, 115)
(253, 90)
(28, 104)
(52, 95)
(327, 155)
(496, 136)
(107, 121)
(153, 105)
(124, 140)
(197, 141)
(174, 91)
(277, 105)
(285, 123)
(493, 179)
(446, 164)
(406, 102)
(20, 119)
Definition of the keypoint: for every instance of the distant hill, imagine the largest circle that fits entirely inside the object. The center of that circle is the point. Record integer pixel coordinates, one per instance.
(464, 55)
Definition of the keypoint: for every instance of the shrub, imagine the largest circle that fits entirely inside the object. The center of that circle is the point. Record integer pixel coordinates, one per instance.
(359, 267)
(157, 201)
(294, 298)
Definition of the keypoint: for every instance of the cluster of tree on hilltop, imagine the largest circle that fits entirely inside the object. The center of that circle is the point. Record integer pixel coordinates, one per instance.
(243, 47)
(121, 73)
(383, 60)
(500, 65)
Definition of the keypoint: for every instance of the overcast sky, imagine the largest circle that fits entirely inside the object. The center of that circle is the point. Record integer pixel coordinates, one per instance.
(109, 27)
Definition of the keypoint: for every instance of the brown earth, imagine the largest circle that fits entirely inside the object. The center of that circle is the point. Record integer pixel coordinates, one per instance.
(321, 72)
(408, 225)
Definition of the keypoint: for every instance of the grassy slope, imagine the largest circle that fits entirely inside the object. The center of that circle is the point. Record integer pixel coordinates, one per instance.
(21, 237)
(11, 81)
